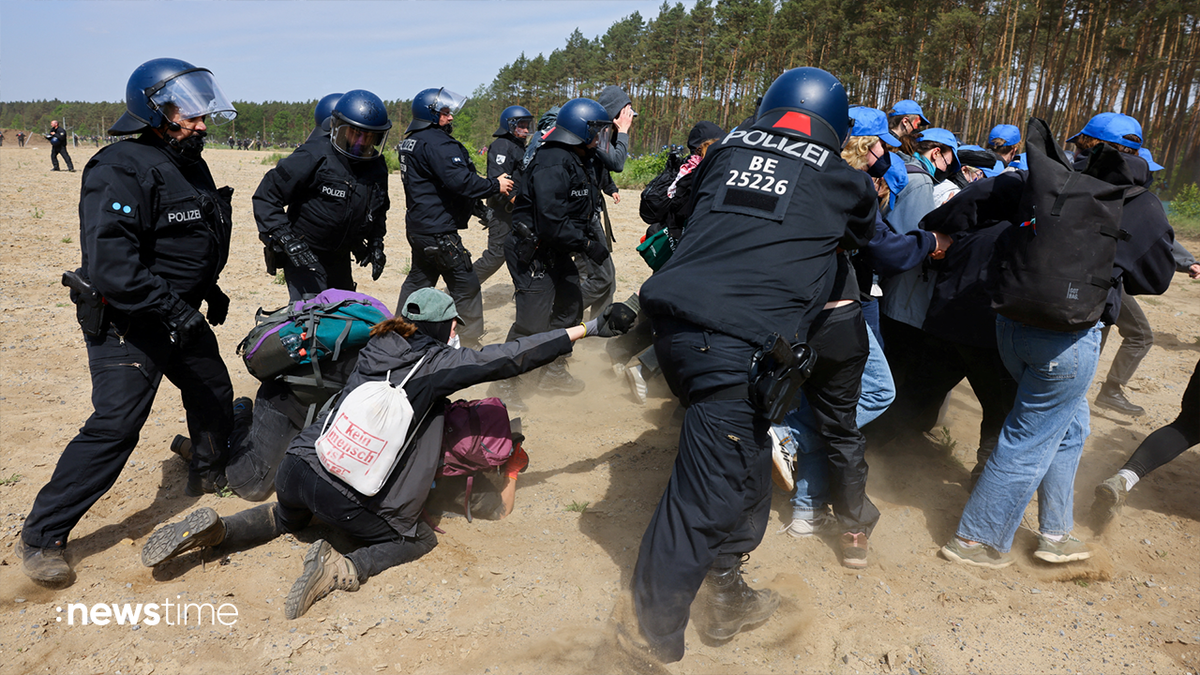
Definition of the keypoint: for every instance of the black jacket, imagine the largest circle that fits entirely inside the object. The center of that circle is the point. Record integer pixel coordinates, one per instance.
(440, 182)
(334, 203)
(57, 138)
(557, 198)
(504, 156)
(152, 226)
(772, 205)
(445, 371)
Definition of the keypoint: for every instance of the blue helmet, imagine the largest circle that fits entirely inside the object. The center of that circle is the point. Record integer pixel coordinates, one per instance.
(812, 91)
(428, 106)
(580, 122)
(324, 109)
(161, 82)
(512, 116)
(359, 124)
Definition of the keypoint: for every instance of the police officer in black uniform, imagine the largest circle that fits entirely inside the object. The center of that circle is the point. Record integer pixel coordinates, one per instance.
(441, 189)
(58, 146)
(503, 158)
(552, 215)
(154, 234)
(773, 202)
(328, 199)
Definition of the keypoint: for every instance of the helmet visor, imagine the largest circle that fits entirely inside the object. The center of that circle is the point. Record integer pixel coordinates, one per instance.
(520, 127)
(196, 93)
(358, 143)
(600, 135)
(447, 102)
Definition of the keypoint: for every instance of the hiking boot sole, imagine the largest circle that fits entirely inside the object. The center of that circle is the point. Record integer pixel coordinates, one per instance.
(194, 531)
(1052, 557)
(303, 594)
(952, 556)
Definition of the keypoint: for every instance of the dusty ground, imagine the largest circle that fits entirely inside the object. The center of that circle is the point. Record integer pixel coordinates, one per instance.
(536, 593)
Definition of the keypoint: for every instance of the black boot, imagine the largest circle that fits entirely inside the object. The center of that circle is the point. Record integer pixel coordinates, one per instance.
(202, 527)
(45, 565)
(557, 380)
(733, 605)
(508, 391)
(251, 527)
(1111, 397)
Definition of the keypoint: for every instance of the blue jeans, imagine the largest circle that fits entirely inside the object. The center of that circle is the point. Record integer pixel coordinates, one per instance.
(812, 470)
(1042, 438)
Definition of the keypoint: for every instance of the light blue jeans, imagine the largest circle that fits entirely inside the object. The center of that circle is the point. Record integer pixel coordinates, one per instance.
(812, 471)
(1042, 438)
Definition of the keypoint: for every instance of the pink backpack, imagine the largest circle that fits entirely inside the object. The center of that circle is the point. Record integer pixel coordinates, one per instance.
(477, 437)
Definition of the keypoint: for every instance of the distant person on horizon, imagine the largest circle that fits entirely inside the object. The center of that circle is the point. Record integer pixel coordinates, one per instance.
(58, 145)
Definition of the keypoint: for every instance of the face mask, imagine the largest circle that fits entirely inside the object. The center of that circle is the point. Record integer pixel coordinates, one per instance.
(190, 147)
(880, 168)
(454, 341)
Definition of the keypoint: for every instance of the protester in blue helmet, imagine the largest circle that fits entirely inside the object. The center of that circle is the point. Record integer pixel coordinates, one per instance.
(1003, 140)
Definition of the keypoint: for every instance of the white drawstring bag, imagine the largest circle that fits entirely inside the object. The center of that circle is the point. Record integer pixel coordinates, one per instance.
(365, 438)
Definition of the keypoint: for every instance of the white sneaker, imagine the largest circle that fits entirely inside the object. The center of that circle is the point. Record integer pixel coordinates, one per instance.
(800, 528)
(637, 383)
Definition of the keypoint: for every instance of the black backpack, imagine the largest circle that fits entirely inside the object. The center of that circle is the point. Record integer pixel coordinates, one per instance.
(1055, 267)
(655, 201)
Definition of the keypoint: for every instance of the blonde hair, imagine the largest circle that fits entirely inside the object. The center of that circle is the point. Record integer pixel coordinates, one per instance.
(856, 150)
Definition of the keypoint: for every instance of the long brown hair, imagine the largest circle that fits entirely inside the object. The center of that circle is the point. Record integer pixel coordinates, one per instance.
(396, 324)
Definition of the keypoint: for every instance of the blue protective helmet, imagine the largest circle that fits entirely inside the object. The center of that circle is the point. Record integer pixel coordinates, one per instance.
(359, 124)
(324, 109)
(159, 82)
(511, 117)
(812, 91)
(580, 121)
(428, 105)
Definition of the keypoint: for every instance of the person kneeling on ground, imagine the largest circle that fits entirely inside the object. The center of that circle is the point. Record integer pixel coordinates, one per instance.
(387, 523)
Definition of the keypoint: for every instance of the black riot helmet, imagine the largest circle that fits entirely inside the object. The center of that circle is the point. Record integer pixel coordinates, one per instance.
(814, 92)
(359, 124)
(159, 82)
(324, 109)
(511, 118)
(582, 121)
(428, 106)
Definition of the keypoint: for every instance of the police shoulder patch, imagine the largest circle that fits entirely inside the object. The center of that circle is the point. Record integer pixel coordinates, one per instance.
(500, 158)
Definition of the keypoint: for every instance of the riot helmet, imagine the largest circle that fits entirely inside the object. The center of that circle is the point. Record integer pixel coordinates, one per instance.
(324, 109)
(582, 121)
(428, 106)
(811, 91)
(159, 82)
(513, 118)
(359, 124)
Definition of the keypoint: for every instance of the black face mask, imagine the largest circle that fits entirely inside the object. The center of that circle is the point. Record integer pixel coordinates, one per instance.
(880, 168)
(438, 330)
(190, 147)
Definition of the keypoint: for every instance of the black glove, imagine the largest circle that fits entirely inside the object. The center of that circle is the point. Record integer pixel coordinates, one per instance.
(218, 306)
(296, 249)
(376, 258)
(617, 319)
(184, 322)
(596, 251)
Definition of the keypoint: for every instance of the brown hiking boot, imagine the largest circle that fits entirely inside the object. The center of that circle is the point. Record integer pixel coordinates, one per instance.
(325, 571)
(202, 527)
(45, 565)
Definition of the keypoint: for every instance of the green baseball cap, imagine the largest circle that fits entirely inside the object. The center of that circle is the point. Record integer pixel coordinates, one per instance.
(429, 304)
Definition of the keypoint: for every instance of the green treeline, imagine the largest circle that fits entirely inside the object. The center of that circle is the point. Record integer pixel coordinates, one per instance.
(970, 65)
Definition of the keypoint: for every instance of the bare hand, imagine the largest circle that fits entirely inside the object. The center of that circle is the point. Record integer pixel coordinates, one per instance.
(616, 197)
(624, 119)
(943, 243)
(1194, 271)
(506, 183)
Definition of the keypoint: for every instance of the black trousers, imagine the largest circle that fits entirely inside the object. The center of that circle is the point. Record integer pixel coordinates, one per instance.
(548, 294)
(1169, 442)
(55, 151)
(839, 336)
(717, 501)
(492, 258)
(332, 271)
(303, 494)
(461, 282)
(256, 451)
(126, 373)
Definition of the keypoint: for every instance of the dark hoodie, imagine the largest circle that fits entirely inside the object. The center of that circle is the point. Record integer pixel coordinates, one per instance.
(614, 99)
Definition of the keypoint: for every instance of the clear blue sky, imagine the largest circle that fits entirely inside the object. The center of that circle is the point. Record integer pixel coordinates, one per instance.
(280, 50)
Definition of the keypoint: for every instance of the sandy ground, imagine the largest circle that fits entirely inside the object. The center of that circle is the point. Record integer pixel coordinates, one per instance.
(537, 592)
